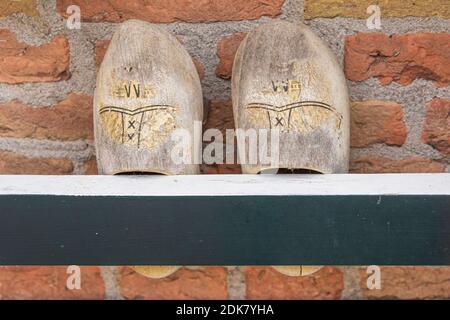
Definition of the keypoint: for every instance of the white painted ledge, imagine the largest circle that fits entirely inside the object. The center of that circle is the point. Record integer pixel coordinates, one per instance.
(228, 185)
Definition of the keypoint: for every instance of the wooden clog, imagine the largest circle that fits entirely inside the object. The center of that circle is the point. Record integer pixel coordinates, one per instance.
(286, 78)
(147, 87)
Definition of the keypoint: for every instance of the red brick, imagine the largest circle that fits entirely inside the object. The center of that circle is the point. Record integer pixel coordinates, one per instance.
(200, 68)
(13, 163)
(220, 116)
(166, 11)
(389, 8)
(222, 169)
(71, 119)
(377, 122)
(376, 164)
(205, 283)
(266, 283)
(409, 283)
(100, 50)
(399, 58)
(436, 129)
(48, 283)
(8, 7)
(226, 51)
(20, 63)
(102, 46)
(90, 167)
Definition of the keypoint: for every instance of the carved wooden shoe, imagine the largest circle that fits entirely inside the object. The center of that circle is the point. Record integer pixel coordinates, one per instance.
(147, 87)
(297, 271)
(285, 78)
(156, 272)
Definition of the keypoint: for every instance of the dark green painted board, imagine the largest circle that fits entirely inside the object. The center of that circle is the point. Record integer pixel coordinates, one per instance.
(226, 230)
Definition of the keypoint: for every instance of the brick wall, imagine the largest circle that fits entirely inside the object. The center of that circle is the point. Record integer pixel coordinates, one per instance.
(399, 79)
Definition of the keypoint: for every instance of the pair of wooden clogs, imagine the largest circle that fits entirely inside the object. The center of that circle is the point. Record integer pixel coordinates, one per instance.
(284, 78)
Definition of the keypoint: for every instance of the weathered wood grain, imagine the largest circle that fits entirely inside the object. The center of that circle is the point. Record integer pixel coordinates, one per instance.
(286, 78)
(377, 185)
(147, 87)
(155, 272)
